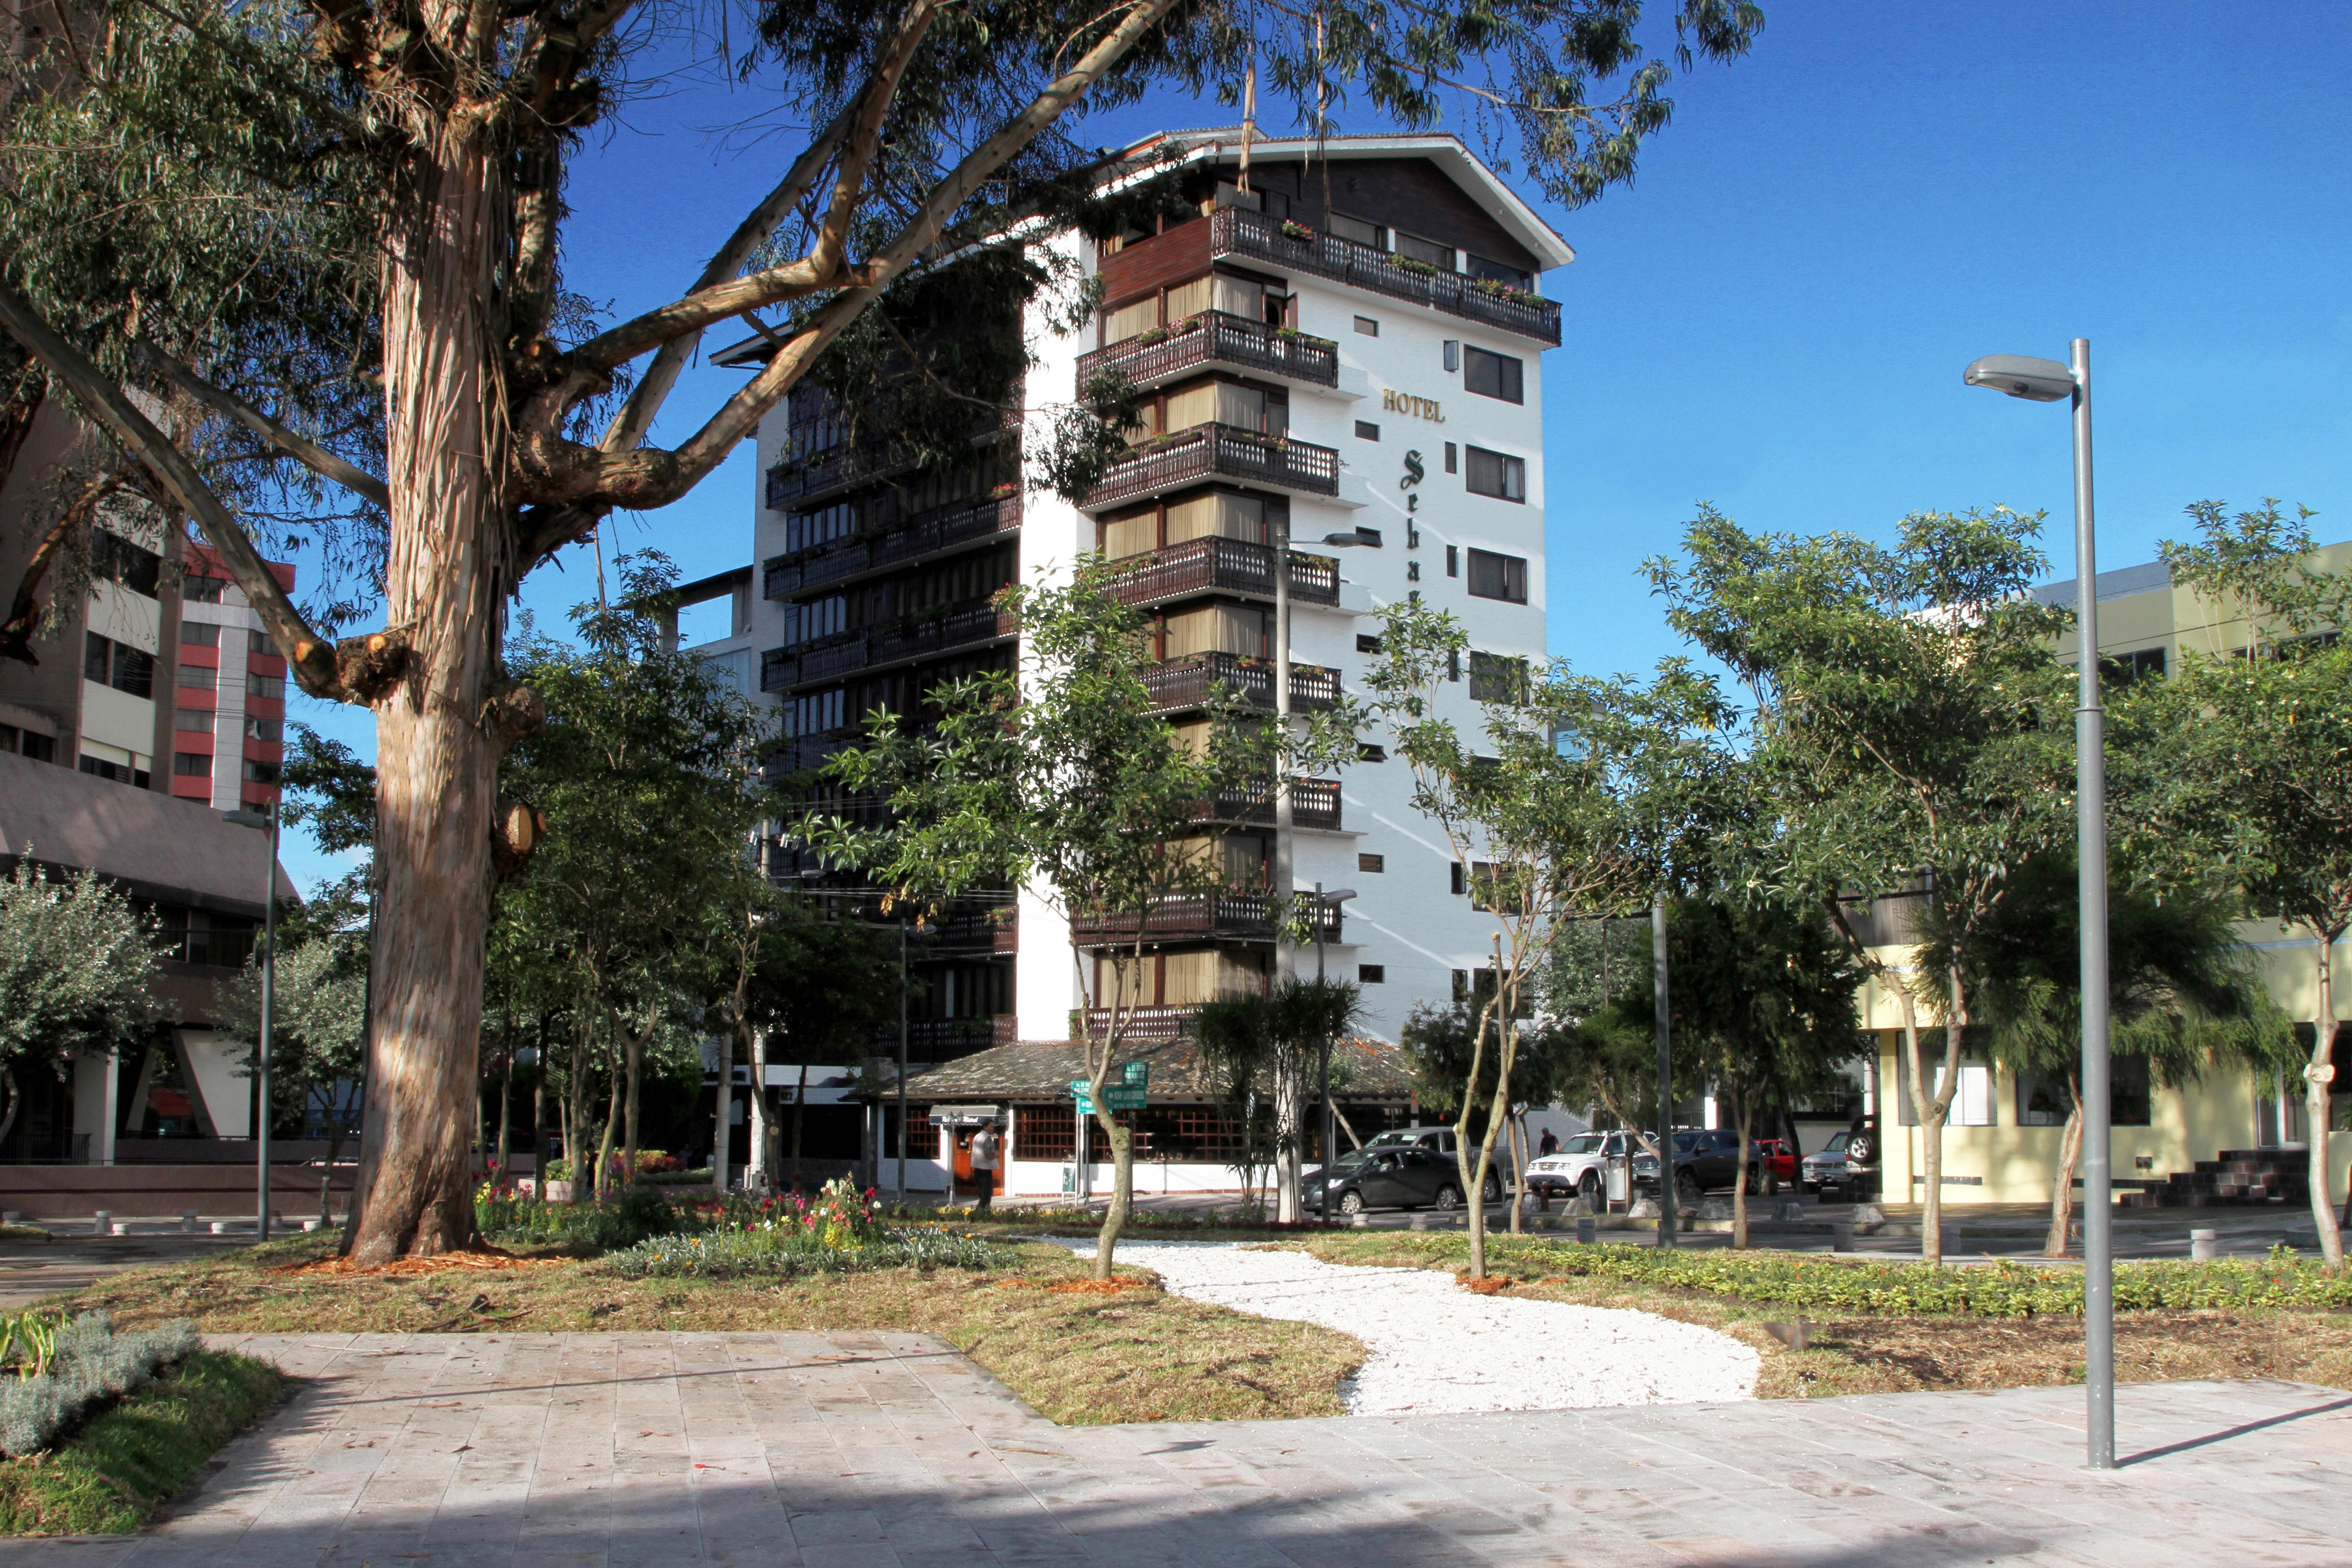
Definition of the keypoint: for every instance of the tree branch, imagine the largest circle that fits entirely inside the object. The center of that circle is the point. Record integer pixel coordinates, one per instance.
(301, 449)
(312, 661)
(865, 136)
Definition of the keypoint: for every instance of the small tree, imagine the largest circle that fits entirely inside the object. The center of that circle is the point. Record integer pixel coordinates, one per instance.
(2255, 783)
(1265, 1050)
(1069, 781)
(76, 967)
(1910, 717)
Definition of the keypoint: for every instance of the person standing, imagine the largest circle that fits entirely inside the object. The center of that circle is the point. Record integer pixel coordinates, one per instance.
(984, 1164)
(1550, 1146)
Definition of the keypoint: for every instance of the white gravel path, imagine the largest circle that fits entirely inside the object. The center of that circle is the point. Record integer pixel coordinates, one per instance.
(1437, 1350)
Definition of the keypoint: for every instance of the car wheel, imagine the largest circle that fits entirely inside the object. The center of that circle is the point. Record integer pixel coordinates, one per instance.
(1589, 1189)
(1352, 1203)
(1493, 1189)
(1449, 1198)
(1686, 1188)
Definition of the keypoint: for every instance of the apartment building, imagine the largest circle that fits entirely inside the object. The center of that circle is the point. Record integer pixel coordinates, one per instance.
(1358, 376)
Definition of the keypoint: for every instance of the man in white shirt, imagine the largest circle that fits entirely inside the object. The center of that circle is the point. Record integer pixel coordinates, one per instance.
(984, 1165)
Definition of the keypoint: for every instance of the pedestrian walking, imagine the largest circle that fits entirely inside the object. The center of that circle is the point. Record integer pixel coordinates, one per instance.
(1548, 1144)
(984, 1165)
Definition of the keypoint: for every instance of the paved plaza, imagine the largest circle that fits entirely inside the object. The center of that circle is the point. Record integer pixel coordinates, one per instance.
(872, 1450)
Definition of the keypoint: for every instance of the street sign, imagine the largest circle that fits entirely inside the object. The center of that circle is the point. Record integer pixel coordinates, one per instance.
(1116, 1096)
(1138, 1074)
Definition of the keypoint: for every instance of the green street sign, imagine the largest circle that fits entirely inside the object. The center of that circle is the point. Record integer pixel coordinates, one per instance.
(1139, 1074)
(1116, 1096)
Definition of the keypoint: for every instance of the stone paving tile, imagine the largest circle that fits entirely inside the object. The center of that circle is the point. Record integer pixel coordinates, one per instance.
(801, 1450)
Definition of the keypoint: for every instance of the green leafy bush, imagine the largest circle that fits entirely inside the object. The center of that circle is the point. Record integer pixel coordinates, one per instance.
(2001, 1290)
(636, 1214)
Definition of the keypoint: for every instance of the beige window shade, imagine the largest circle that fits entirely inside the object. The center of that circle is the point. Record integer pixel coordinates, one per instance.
(1189, 979)
(1138, 316)
(1188, 298)
(1146, 426)
(1194, 405)
(1130, 534)
(1236, 297)
(1217, 629)
(1230, 516)
(1192, 738)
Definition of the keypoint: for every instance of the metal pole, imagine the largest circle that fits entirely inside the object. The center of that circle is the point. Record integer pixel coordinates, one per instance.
(1323, 1066)
(2091, 806)
(902, 1061)
(1665, 1075)
(1285, 847)
(268, 987)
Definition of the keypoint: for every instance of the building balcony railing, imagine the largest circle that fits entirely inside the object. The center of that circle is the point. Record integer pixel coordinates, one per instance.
(1292, 247)
(1145, 1025)
(941, 1039)
(1190, 682)
(1194, 917)
(942, 528)
(1216, 564)
(1208, 452)
(1313, 805)
(974, 623)
(804, 475)
(1215, 338)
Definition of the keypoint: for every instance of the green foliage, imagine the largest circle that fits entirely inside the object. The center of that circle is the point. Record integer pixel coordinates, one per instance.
(2257, 567)
(317, 1038)
(84, 1363)
(778, 1253)
(622, 1221)
(1998, 1290)
(140, 1453)
(76, 963)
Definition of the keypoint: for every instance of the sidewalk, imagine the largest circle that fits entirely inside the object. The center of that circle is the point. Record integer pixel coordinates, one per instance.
(863, 1450)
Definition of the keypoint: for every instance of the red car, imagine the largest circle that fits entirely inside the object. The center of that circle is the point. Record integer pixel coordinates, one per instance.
(1780, 1162)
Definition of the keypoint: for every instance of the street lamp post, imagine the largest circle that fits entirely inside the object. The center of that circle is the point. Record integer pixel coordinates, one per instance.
(1668, 1194)
(2047, 381)
(268, 986)
(1324, 900)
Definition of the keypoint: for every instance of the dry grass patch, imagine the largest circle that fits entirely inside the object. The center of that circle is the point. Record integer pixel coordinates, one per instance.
(1078, 1354)
(1896, 1354)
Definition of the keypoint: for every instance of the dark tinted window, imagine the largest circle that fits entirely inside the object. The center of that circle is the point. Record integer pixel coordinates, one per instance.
(1494, 474)
(1494, 375)
(1493, 577)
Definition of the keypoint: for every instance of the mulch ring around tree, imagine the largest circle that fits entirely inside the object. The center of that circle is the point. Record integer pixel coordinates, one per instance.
(1112, 1287)
(481, 1257)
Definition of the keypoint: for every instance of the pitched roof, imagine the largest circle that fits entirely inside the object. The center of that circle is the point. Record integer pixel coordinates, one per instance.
(1043, 1070)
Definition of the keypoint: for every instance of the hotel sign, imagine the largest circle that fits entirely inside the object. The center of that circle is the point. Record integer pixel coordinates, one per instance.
(1418, 407)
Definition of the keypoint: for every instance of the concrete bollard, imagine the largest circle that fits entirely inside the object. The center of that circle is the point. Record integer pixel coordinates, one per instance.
(311, 1225)
(1840, 1236)
(102, 1224)
(2204, 1245)
(188, 1220)
(1419, 1222)
(1587, 1229)
(220, 1227)
(122, 1227)
(1361, 1220)
(12, 1217)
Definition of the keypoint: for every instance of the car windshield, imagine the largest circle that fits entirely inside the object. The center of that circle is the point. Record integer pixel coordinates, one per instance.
(1582, 1143)
(1838, 1141)
(1686, 1142)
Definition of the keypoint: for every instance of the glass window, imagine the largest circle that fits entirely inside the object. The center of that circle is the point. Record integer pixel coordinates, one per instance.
(202, 590)
(1135, 316)
(258, 641)
(1971, 1101)
(118, 559)
(260, 729)
(260, 772)
(1371, 973)
(1366, 327)
(193, 764)
(1451, 463)
(194, 718)
(199, 676)
(199, 634)
(1494, 375)
(1190, 298)
(1367, 431)
(1371, 862)
(271, 688)
(1426, 250)
(1494, 474)
(1494, 678)
(1487, 271)
(1357, 229)
(1493, 577)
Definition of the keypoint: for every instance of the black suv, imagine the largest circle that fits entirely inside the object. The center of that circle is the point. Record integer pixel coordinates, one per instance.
(1706, 1161)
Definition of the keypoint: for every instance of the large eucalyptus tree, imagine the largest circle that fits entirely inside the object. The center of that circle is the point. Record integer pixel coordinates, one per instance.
(408, 158)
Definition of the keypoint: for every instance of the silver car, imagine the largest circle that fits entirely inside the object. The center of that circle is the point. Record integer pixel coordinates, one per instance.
(1826, 1169)
(1581, 1165)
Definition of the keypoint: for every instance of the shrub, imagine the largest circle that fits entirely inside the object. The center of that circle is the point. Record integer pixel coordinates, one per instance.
(655, 1161)
(556, 1170)
(783, 1251)
(89, 1365)
(618, 1222)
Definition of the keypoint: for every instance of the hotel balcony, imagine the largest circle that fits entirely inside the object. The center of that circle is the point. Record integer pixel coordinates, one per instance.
(1216, 564)
(934, 532)
(1314, 805)
(1291, 248)
(1145, 1025)
(1193, 918)
(1214, 340)
(1181, 683)
(1208, 452)
(973, 623)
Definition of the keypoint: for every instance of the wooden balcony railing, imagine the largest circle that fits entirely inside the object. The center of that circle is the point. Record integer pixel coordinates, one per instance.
(1195, 917)
(1290, 247)
(1145, 1025)
(1314, 803)
(1215, 338)
(1181, 683)
(972, 624)
(1218, 452)
(1216, 564)
(939, 528)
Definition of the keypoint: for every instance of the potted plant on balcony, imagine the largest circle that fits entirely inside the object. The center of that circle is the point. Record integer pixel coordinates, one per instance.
(1295, 230)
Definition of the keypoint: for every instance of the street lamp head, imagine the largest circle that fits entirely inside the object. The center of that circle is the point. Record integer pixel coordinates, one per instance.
(1368, 538)
(1338, 895)
(2022, 376)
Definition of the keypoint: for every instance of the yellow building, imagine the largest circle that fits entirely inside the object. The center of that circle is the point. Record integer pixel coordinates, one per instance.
(2002, 1144)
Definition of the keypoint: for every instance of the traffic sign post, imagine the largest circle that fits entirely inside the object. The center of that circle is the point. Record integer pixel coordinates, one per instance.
(1115, 1096)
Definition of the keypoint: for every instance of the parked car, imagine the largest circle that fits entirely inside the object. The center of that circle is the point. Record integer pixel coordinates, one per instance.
(1706, 1161)
(1779, 1157)
(1580, 1168)
(1395, 1175)
(1827, 1167)
(1438, 1141)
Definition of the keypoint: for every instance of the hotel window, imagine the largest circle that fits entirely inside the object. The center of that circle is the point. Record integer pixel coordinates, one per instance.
(1357, 229)
(111, 663)
(1453, 463)
(1366, 327)
(1132, 319)
(1496, 679)
(1371, 973)
(1367, 431)
(1366, 643)
(118, 559)
(1493, 474)
(1427, 251)
(1493, 577)
(1375, 863)
(260, 772)
(258, 641)
(199, 634)
(1494, 375)
(1371, 753)
(1454, 561)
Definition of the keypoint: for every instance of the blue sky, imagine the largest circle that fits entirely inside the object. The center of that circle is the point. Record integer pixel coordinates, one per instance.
(1774, 317)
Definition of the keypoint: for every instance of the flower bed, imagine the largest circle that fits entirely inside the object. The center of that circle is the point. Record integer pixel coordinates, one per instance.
(839, 1231)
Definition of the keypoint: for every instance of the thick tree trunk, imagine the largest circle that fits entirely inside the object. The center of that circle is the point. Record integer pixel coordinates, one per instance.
(2070, 1157)
(1289, 1094)
(756, 1173)
(2317, 1081)
(446, 574)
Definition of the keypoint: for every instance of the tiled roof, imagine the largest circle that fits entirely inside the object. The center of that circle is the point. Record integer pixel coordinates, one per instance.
(1042, 1069)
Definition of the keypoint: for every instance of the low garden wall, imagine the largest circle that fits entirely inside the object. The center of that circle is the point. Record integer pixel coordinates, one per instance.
(148, 1190)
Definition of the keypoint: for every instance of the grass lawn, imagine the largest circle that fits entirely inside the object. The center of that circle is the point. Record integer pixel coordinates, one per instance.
(1078, 1355)
(1856, 1353)
(109, 1478)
